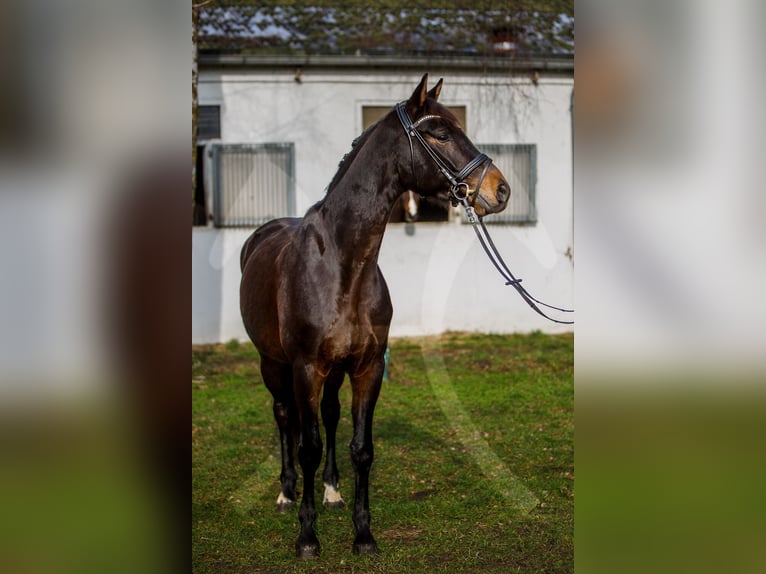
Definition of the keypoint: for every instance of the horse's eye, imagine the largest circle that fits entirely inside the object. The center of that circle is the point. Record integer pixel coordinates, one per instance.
(442, 137)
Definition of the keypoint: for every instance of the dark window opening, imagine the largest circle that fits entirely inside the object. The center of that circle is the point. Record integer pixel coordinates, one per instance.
(414, 207)
(209, 122)
(199, 210)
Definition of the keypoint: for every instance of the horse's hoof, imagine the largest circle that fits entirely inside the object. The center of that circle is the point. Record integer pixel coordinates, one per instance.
(332, 497)
(284, 504)
(307, 551)
(283, 507)
(369, 547)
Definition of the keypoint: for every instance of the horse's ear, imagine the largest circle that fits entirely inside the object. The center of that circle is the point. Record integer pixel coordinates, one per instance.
(418, 97)
(434, 92)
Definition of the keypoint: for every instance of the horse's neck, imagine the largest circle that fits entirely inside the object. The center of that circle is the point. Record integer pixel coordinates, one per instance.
(357, 208)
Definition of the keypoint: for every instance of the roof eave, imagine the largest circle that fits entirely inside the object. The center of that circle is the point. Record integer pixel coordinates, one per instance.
(480, 63)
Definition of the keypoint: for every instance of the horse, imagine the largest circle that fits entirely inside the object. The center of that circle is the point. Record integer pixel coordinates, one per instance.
(315, 303)
(411, 207)
(406, 207)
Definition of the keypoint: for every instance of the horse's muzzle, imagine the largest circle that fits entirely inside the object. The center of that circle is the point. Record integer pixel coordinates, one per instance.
(503, 194)
(496, 202)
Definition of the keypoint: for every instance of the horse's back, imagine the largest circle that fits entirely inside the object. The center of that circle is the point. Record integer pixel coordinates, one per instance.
(266, 232)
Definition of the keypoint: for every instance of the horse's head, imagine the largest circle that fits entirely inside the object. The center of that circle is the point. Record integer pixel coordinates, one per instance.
(442, 160)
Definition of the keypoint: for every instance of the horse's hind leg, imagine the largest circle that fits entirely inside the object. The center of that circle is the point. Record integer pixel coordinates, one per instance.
(278, 379)
(330, 417)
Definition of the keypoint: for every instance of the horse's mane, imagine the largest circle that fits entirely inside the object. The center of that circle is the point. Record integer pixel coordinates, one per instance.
(348, 159)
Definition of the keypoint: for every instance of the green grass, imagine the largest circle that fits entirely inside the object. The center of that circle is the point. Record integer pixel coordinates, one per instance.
(474, 467)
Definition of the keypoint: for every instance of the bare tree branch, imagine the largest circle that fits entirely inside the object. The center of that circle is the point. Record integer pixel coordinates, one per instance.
(201, 4)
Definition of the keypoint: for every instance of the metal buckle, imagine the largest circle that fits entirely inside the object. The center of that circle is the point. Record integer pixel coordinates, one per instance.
(460, 196)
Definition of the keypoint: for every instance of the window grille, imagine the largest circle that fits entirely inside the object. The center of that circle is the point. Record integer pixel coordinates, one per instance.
(208, 122)
(252, 183)
(518, 163)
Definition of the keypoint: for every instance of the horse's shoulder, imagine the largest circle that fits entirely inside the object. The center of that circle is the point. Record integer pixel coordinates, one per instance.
(313, 234)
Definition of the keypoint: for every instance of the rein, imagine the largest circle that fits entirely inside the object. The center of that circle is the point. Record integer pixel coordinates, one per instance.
(460, 194)
(502, 268)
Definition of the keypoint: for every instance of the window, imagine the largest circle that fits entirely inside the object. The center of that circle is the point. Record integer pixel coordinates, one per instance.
(252, 183)
(208, 128)
(209, 122)
(518, 162)
(200, 210)
(371, 114)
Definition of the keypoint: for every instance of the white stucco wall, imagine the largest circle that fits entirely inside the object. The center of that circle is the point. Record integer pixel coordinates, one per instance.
(439, 277)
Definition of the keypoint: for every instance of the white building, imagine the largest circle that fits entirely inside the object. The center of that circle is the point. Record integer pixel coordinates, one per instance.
(309, 109)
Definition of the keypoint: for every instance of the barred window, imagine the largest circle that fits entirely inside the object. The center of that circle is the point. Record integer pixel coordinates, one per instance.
(518, 162)
(252, 183)
(209, 122)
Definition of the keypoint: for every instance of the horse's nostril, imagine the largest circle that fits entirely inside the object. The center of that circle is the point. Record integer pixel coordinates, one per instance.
(503, 192)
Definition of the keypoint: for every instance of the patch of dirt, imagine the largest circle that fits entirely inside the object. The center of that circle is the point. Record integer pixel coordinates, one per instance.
(402, 533)
(422, 494)
(482, 364)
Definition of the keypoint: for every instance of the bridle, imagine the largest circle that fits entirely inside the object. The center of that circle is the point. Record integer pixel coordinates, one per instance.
(460, 193)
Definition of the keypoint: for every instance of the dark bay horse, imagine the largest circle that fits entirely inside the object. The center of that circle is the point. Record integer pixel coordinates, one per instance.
(315, 303)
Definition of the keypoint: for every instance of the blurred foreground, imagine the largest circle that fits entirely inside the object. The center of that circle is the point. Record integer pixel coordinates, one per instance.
(669, 352)
(94, 290)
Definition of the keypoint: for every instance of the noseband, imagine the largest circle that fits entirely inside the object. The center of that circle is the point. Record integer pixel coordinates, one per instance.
(459, 191)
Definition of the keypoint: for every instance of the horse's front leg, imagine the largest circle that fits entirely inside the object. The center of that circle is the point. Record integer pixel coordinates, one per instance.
(307, 383)
(366, 388)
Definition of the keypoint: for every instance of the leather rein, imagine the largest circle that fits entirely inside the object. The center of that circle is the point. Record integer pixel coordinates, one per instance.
(460, 193)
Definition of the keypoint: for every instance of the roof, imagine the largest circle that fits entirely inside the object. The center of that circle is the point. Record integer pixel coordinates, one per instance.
(396, 34)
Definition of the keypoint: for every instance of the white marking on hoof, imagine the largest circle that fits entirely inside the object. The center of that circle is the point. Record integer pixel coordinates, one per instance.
(332, 495)
(283, 500)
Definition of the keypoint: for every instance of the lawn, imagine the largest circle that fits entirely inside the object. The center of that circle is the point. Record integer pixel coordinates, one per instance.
(473, 472)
